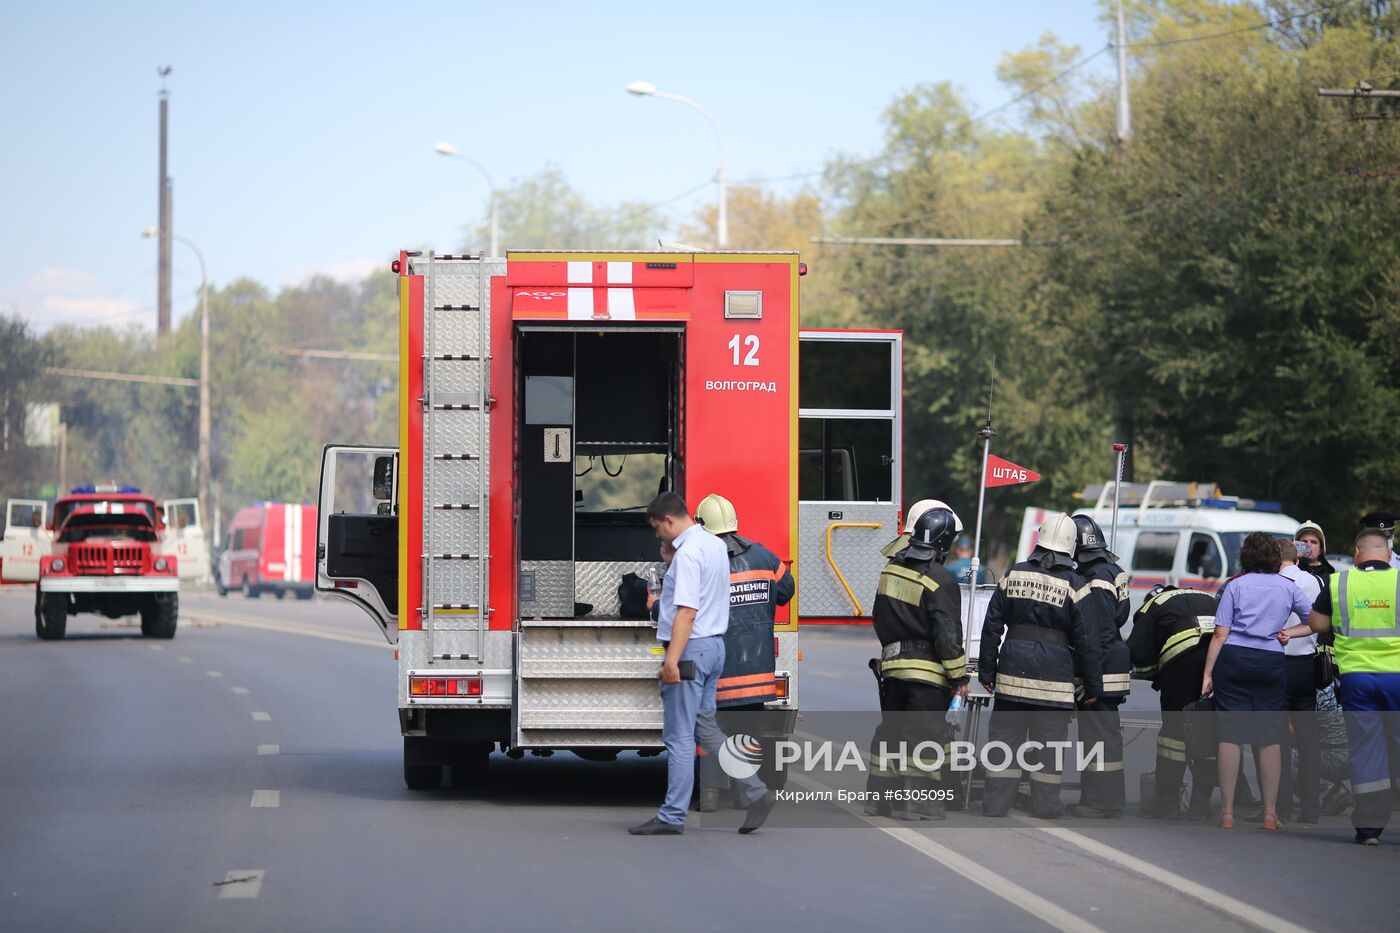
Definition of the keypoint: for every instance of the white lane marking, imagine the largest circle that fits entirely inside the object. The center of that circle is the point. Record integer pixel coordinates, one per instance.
(214, 673)
(260, 716)
(156, 647)
(1211, 897)
(269, 799)
(241, 691)
(1035, 905)
(269, 749)
(239, 885)
(185, 660)
(294, 630)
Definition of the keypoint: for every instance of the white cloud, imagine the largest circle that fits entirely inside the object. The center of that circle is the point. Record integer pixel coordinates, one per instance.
(57, 295)
(349, 272)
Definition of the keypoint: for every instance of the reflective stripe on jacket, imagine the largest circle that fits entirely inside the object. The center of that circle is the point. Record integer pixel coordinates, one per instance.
(758, 585)
(917, 615)
(1364, 608)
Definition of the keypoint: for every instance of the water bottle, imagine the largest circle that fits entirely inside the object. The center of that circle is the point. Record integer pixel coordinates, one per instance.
(955, 709)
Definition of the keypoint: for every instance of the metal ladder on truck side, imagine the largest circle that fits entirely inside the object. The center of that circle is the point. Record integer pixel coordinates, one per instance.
(455, 603)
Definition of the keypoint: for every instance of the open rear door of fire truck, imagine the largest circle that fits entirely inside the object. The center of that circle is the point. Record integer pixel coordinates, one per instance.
(357, 534)
(850, 435)
(27, 540)
(183, 538)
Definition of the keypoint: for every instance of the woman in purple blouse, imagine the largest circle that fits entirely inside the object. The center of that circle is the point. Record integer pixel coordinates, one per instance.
(1246, 671)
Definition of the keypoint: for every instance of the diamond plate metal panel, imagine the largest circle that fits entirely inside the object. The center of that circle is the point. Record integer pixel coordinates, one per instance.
(583, 642)
(455, 332)
(632, 669)
(456, 432)
(593, 701)
(856, 552)
(596, 582)
(786, 660)
(456, 530)
(612, 738)
(497, 653)
(554, 589)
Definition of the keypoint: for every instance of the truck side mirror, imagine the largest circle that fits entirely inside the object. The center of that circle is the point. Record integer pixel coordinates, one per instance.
(383, 477)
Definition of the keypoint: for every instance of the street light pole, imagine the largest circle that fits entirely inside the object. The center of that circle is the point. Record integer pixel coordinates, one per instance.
(645, 89)
(447, 149)
(204, 417)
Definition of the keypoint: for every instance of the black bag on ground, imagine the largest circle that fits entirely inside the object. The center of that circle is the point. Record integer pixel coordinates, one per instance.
(632, 597)
(1201, 738)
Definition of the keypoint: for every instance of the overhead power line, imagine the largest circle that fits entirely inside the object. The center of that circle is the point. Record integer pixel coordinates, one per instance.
(1271, 24)
(909, 241)
(340, 355)
(120, 377)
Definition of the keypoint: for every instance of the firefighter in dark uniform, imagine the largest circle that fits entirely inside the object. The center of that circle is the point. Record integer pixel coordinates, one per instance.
(1032, 674)
(917, 616)
(1168, 643)
(1106, 608)
(758, 584)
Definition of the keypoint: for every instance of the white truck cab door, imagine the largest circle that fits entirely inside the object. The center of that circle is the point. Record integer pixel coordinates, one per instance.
(27, 539)
(357, 531)
(183, 538)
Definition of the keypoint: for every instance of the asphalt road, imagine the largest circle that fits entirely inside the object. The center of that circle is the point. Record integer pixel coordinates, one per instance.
(261, 747)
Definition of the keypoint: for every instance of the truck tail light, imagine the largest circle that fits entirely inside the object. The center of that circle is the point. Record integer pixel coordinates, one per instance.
(782, 689)
(345, 584)
(444, 686)
(775, 646)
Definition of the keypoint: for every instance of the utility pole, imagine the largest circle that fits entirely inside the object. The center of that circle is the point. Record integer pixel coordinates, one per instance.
(163, 215)
(1125, 115)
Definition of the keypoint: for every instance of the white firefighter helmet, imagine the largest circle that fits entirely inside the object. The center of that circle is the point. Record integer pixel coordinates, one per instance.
(1058, 534)
(716, 514)
(917, 510)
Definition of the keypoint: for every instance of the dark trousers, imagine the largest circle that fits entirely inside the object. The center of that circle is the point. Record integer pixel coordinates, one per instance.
(1102, 787)
(1014, 723)
(913, 712)
(1302, 705)
(1372, 705)
(1180, 683)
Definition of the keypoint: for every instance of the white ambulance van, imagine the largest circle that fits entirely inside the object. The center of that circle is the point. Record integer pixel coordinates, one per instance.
(1182, 534)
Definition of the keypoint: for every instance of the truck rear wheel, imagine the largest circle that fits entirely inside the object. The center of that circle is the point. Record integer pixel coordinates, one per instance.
(51, 615)
(159, 615)
(471, 766)
(422, 777)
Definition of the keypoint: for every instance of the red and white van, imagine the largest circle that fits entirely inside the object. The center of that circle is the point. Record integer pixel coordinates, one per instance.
(271, 549)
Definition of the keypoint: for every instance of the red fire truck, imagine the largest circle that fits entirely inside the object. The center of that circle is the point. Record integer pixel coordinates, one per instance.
(110, 550)
(545, 400)
(271, 549)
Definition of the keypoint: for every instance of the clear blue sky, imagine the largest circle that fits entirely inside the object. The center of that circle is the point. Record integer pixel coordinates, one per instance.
(302, 134)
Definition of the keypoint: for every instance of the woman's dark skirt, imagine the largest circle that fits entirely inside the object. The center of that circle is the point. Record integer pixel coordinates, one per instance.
(1251, 684)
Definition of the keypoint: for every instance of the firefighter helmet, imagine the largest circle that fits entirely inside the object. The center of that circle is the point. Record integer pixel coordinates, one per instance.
(1090, 543)
(716, 514)
(923, 505)
(1058, 534)
(933, 533)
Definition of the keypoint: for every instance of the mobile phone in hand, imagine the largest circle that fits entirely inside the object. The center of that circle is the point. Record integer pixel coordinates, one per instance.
(687, 669)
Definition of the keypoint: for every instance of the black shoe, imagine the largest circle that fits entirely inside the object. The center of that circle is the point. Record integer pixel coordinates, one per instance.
(1086, 812)
(758, 812)
(1053, 815)
(1362, 839)
(656, 827)
(709, 800)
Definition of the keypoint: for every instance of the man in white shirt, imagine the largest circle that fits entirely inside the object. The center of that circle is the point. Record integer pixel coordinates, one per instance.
(693, 619)
(1302, 702)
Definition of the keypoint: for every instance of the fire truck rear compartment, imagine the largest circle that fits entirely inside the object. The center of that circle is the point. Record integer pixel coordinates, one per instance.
(599, 431)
